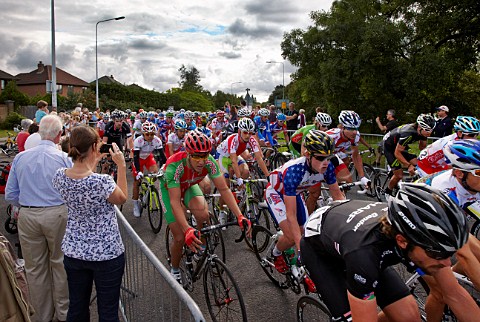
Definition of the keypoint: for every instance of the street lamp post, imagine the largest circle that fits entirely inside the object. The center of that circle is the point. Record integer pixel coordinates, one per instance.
(231, 88)
(97, 102)
(283, 75)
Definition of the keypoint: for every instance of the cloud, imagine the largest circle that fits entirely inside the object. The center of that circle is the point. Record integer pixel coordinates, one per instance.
(231, 54)
(240, 28)
(283, 11)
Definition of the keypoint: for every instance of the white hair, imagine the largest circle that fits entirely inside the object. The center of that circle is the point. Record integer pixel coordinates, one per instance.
(50, 126)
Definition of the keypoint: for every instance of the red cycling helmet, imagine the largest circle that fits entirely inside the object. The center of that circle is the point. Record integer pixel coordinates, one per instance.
(197, 142)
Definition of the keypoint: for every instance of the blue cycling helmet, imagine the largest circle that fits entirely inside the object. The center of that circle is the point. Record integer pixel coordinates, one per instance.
(161, 115)
(467, 125)
(463, 154)
(151, 114)
(180, 115)
(281, 117)
(204, 130)
(180, 125)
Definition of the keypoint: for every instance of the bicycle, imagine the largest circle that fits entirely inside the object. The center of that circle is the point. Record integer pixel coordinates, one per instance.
(369, 172)
(276, 159)
(149, 200)
(312, 309)
(223, 296)
(382, 178)
(12, 219)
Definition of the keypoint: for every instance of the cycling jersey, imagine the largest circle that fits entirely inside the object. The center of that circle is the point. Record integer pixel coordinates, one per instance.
(264, 132)
(165, 128)
(447, 183)
(297, 138)
(117, 134)
(145, 147)
(192, 126)
(402, 135)
(235, 144)
(137, 127)
(296, 176)
(176, 142)
(344, 249)
(101, 128)
(342, 144)
(431, 159)
(217, 126)
(276, 128)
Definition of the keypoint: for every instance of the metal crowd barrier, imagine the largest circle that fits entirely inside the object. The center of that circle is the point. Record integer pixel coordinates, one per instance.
(149, 292)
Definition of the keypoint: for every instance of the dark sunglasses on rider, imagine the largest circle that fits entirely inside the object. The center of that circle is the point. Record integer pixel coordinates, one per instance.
(438, 255)
(148, 134)
(322, 158)
(200, 156)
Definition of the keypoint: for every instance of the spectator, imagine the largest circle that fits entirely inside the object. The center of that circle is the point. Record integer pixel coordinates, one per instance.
(92, 244)
(443, 125)
(390, 125)
(42, 110)
(34, 138)
(302, 119)
(292, 117)
(23, 135)
(233, 113)
(272, 118)
(42, 220)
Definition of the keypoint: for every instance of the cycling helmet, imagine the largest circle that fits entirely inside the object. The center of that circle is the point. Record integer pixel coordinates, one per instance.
(463, 154)
(101, 114)
(182, 110)
(319, 143)
(350, 119)
(429, 218)
(220, 113)
(426, 122)
(243, 112)
(246, 124)
(143, 115)
(128, 111)
(204, 130)
(189, 114)
(106, 117)
(148, 127)
(197, 142)
(323, 119)
(117, 115)
(281, 117)
(203, 115)
(232, 128)
(161, 115)
(151, 115)
(180, 125)
(467, 124)
(181, 115)
(169, 114)
(264, 112)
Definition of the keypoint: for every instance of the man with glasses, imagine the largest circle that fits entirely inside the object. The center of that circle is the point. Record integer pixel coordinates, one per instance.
(284, 193)
(443, 126)
(431, 159)
(350, 247)
(396, 145)
(147, 150)
(179, 190)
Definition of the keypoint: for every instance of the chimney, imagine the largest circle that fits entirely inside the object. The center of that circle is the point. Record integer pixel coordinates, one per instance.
(41, 67)
(111, 76)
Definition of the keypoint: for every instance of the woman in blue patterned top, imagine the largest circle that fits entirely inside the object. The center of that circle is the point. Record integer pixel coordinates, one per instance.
(92, 245)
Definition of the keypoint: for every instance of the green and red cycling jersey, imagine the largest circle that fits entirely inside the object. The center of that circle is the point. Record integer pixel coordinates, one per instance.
(179, 175)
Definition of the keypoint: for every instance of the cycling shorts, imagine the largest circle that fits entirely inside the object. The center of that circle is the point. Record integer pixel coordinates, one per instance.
(328, 274)
(148, 162)
(277, 209)
(225, 163)
(193, 191)
(338, 163)
(392, 160)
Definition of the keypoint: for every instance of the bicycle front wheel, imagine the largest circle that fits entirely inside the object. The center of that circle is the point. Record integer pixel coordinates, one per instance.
(312, 309)
(224, 299)
(155, 211)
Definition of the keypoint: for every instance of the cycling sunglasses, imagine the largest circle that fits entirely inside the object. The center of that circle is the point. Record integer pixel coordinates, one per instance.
(475, 172)
(200, 156)
(322, 158)
(438, 255)
(246, 132)
(148, 134)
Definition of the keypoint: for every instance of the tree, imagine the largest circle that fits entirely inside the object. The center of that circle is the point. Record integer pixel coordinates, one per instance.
(370, 56)
(11, 92)
(190, 79)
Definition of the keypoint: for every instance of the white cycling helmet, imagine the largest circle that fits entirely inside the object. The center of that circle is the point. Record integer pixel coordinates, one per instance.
(264, 112)
(148, 127)
(349, 119)
(323, 118)
(426, 122)
(246, 124)
(243, 112)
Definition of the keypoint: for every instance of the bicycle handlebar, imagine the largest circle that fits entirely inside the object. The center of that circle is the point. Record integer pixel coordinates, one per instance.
(209, 229)
(348, 185)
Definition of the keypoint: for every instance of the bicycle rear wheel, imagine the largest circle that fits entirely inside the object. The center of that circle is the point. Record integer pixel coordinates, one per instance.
(262, 246)
(380, 183)
(155, 211)
(312, 309)
(279, 160)
(258, 217)
(223, 296)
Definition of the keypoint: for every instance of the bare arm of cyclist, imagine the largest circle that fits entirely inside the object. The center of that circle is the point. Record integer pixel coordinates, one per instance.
(236, 169)
(294, 229)
(398, 154)
(363, 310)
(357, 161)
(335, 192)
(468, 263)
(259, 157)
(170, 148)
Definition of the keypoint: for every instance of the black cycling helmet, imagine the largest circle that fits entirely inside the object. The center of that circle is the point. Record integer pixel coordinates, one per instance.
(319, 143)
(428, 218)
(426, 122)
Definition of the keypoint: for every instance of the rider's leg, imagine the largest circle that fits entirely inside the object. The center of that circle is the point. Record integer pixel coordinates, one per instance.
(177, 244)
(396, 178)
(206, 186)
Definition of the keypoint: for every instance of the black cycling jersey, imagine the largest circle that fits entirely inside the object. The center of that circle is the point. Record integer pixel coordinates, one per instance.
(117, 134)
(344, 249)
(403, 135)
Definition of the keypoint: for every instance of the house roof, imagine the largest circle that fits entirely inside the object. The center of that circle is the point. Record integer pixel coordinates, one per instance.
(106, 80)
(5, 75)
(44, 73)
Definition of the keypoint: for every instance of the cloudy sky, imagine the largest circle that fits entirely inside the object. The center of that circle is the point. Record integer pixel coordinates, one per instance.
(227, 41)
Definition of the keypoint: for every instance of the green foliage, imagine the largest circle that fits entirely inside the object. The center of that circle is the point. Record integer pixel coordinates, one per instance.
(189, 79)
(12, 93)
(11, 120)
(370, 56)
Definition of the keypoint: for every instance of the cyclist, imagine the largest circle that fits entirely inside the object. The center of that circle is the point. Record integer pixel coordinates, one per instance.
(395, 145)
(175, 140)
(102, 122)
(179, 190)
(118, 131)
(217, 126)
(166, 126)
(349, 249)
(322, 121)
(431, 159)
(137, 125)
(188, 118)
(147, 149)
(284, 193)
(278, 127)
(264, 133)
